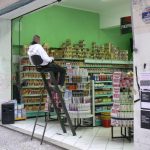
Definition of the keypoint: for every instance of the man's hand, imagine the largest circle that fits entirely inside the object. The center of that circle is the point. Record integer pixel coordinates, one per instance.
(52, 59)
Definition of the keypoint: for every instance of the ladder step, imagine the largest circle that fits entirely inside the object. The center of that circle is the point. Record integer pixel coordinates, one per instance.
(40, 125)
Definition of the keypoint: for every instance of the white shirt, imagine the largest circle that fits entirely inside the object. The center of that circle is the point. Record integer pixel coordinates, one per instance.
(37, 49)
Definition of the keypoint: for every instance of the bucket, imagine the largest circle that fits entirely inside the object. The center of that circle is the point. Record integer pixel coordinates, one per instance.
(106, 123)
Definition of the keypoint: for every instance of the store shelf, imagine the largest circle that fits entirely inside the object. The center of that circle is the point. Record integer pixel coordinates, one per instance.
(117, 118)
(100, 72)
(103, 103)
(34, 95)
(79, 90)
(69, 59)
(27, 65)
(32, 72)
(103, 95)
(102, 111)
(36, 103)
(32, 87)
(77, 82)
(34, 113)
(98, 61)
(105, 67)
(80, 114)
(103, 81)
(22, 57)
(103, 87)
(31, 79)
(41, 113)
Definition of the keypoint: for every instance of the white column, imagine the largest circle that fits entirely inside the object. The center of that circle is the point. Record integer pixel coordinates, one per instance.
(5, 60)
(141, 30)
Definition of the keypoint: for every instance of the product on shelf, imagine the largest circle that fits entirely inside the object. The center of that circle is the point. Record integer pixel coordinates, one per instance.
(31, 91)
(77, 80)
(102, 98)
(77, 96)
(20, 111)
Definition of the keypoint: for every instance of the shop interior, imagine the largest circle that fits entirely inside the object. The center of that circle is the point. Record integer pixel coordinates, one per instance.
(87, 39)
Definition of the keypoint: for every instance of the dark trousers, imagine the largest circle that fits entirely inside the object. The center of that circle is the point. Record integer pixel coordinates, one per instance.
(58, 71)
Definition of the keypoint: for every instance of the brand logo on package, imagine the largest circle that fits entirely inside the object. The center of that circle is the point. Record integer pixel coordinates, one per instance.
(146, 15)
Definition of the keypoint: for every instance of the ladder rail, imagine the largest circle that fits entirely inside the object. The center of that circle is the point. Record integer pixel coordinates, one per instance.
(42, 93)
(53, 102)
(63, 104)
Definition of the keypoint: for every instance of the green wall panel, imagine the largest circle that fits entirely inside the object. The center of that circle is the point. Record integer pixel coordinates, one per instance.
(56, 24)
(114, 36)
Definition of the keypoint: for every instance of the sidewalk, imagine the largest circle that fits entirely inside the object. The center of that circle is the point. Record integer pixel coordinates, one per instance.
(13, 140)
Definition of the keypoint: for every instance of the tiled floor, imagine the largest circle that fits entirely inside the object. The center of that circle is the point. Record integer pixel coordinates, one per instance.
(88, 138)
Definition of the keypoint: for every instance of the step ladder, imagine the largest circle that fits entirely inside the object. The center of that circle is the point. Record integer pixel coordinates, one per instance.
(52, 101)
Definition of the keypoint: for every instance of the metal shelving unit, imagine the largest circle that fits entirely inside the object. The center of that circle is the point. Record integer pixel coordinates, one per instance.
(95, 96)
(28, 95)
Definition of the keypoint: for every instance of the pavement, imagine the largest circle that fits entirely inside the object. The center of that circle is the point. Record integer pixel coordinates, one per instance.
(13, 140)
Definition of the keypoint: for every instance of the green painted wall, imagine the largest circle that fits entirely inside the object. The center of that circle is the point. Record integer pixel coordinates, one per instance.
(114, 36)
(56, 24)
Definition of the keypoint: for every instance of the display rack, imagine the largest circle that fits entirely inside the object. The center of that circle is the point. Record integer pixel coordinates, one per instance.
(101, 72)
(31, 89)
(106, 68)
(122, 110)
(102, 98)
(77, 96)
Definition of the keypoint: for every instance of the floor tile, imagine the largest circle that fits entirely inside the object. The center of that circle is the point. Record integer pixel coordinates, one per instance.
(82, 146)
(87, 138)
(114, 149)
(115, 144)
(128, 146)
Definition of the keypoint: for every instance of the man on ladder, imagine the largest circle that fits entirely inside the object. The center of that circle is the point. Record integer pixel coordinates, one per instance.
(48, 62)
(45, 64)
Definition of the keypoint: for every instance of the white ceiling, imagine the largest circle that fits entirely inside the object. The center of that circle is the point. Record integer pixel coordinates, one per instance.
(94, 5)
(110, 10)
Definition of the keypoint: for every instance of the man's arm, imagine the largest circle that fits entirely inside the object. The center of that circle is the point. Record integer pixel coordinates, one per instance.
(44, 55)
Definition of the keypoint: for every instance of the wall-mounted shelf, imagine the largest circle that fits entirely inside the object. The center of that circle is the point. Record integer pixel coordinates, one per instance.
(94, 61)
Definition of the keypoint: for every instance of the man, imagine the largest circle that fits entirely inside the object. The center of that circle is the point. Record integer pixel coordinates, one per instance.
(48, 62)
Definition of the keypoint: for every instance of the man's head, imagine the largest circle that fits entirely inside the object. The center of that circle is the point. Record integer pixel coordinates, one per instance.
(36, 39)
